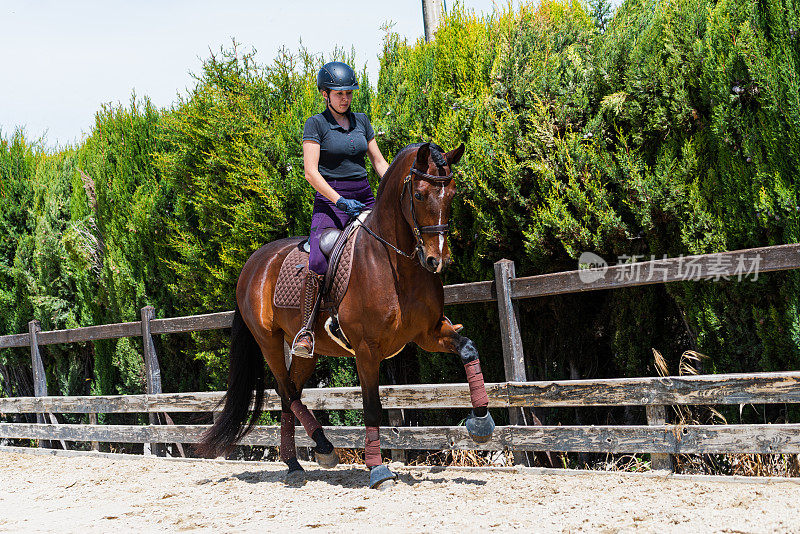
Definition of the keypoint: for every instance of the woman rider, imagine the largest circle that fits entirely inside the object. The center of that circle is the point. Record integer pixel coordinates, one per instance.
(334, 144)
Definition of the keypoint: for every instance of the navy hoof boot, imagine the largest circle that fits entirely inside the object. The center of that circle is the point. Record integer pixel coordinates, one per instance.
(480, 428)
(380, 477)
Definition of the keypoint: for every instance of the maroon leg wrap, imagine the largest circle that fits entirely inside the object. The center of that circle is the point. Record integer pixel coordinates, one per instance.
(477, 391)
(372, 447)
(307, 419)
(287, 436)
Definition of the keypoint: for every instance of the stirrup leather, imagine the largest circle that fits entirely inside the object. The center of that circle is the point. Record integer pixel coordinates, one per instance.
(309, 307)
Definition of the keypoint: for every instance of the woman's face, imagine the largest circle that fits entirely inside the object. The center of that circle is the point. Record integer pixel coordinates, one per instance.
(340, 100)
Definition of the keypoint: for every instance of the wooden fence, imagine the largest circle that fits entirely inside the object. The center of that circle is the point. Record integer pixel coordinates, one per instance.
(658, 437)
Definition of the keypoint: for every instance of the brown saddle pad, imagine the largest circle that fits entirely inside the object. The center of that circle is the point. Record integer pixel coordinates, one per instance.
(289, 286)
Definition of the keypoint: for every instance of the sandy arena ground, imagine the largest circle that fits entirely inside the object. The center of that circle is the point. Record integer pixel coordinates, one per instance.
(102, 494)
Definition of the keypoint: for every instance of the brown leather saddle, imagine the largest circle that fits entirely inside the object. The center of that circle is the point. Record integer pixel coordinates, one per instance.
(337, 246)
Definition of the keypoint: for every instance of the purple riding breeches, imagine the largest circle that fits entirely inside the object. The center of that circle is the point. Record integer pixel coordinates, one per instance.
(327, 215)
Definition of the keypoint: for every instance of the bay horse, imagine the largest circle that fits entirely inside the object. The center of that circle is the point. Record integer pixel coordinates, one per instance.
(394, 298)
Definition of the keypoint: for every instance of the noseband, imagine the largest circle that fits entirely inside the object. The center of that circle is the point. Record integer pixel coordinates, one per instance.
(418, 230)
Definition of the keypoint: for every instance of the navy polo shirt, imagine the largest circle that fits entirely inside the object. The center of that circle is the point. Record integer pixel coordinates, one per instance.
(341, 152)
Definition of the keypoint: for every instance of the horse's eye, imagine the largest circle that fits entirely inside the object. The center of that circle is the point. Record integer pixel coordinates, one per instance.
(417, 196)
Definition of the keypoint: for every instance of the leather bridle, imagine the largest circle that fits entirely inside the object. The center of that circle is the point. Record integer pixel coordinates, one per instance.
(408, 182)
(417, 230)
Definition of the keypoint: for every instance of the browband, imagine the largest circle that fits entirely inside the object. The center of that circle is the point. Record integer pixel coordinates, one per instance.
(432, 177)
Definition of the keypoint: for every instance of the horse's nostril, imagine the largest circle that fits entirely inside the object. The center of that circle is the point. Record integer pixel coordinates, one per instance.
(433, 262)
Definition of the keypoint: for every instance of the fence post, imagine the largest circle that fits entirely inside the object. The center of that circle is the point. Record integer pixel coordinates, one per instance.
(93, 421)
(40, 381)
(153, 374)
(513, 356)
(657, 416)
(39, 378)
(396, 420)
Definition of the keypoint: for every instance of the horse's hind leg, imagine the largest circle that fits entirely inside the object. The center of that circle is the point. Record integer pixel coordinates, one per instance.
(288, 450)
(272, 349)
(299, 373)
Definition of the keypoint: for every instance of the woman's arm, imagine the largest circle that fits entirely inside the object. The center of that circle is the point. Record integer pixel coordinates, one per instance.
(377, 159)
(311, 167)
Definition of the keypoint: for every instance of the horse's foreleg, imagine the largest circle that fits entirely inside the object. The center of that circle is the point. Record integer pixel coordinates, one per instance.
(380, 476)
(300, 372)
(444, 338)
(472, 366)
(480, 424)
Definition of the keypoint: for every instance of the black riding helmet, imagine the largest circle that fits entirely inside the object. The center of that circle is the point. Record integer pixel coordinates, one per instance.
(336, 76)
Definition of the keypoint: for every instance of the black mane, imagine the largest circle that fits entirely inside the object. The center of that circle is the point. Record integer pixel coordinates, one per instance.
(437, 155)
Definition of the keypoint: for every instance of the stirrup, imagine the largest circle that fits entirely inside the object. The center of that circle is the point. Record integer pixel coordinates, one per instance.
(302, 354)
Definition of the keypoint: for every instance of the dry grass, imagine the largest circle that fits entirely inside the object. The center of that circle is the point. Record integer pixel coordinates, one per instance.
(351, 456)
(781, 465)
(683, 414)
(755, 465)
(629, 463)
(786, 465)
(453, 458)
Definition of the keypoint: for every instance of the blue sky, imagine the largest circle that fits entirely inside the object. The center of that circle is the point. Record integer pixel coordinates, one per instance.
(61, 60)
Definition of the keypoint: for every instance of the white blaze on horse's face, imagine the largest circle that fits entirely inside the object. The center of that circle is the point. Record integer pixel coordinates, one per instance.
(441, 236)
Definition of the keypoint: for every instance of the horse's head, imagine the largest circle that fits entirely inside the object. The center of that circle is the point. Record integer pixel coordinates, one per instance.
(427, 194)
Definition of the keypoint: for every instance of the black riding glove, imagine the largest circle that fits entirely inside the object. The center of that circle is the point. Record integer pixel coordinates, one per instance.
(350, 206)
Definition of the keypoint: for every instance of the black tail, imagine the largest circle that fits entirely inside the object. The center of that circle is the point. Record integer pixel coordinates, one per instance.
(246, 377)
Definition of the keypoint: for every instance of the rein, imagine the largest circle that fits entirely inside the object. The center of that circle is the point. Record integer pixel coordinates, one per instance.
(418, 230)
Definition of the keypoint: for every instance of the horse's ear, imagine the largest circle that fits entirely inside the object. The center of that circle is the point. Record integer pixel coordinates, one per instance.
(455, 155)
(422, 155)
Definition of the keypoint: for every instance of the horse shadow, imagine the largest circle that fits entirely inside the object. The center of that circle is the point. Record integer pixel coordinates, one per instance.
(350, 477)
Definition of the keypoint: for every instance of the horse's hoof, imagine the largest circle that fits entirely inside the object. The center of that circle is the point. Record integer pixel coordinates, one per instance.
(296, 476)
(327, 460)
(480, 428)
(380, 477)
(294, 467)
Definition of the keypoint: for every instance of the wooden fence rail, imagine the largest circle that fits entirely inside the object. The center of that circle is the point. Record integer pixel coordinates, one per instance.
(761, 388)
(723, 265)
(661, 439)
